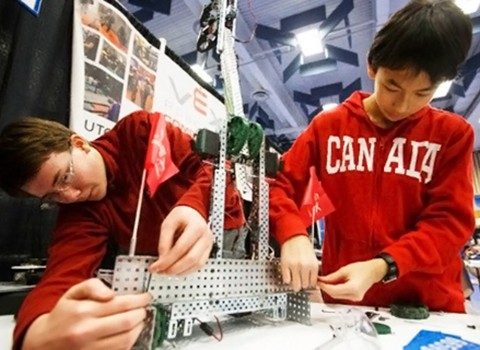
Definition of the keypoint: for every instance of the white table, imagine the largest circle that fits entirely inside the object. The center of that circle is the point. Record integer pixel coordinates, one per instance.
(7, 324)
(260, 333)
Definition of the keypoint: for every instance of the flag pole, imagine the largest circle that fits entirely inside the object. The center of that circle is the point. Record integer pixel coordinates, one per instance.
(314, 213)
(133, 240)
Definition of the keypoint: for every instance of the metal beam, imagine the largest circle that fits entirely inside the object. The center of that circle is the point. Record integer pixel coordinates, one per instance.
(381, 12)
(286, 131)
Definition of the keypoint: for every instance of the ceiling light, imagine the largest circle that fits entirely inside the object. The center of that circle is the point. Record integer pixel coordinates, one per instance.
(328, 106)
(310, 42)
(260, 95)
(201, 73)
(468, 6)
(442, 89)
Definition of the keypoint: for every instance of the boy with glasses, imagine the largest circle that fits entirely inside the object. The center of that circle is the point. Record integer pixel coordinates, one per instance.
(398, 172)
(100, 181)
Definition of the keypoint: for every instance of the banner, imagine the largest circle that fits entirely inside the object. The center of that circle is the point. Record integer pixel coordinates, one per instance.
(116, 71)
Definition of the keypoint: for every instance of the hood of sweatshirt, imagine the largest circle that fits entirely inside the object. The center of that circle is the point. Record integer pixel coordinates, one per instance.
(354, 103)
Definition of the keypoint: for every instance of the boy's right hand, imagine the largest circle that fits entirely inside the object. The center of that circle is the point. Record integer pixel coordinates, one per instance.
(89, 316)
(299, 263)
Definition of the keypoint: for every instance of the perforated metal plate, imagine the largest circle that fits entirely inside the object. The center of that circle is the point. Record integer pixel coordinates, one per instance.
(220, 278)
(263, 207)
(298, 308)
(182, 310)
(131, 275)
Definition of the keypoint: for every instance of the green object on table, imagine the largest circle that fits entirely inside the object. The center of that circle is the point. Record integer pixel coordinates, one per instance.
(412, 312)
(382, 328)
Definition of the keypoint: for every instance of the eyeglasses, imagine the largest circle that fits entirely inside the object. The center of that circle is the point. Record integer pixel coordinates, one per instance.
(62, 184)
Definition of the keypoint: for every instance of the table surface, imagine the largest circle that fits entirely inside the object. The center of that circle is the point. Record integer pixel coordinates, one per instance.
(256, 332)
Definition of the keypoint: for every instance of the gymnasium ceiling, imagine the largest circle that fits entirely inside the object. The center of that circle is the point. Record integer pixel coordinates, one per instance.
(281, 89)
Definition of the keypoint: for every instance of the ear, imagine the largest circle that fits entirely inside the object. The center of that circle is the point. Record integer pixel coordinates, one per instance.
(80, 142)
(371, 72)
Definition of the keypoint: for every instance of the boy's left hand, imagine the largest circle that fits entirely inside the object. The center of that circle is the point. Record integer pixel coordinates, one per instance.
(185, 242)
(352, 281)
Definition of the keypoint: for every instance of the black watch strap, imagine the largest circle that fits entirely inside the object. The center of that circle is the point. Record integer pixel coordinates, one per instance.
(392, 270)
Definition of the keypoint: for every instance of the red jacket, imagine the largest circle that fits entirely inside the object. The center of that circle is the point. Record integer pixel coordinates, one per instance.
(406, 191)
(80, 238)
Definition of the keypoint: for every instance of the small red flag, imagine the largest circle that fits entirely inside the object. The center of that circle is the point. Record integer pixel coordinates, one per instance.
(315, 203)
(158, 163)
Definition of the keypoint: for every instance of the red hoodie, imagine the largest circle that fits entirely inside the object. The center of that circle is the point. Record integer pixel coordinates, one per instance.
(406, 191)
(83, 229)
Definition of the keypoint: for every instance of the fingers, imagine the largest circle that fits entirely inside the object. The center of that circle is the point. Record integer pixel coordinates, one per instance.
(299, 276)
(122, 303)
(286, 274)
(345, 283)
(167, 236)
(334, 277)
(193, 264)
(119, 323)
(299, 263)
(184, 244)
(296, 283)
(84, 322)
(118, 341)
(344, 291)
(92, 289)
(305, 278)
(314, 276)
(190, 252)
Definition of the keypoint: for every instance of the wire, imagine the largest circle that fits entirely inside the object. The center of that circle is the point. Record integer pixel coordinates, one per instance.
(205, 327)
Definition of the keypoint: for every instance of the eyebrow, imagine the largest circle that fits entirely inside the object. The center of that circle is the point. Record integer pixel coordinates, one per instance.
(394, 83)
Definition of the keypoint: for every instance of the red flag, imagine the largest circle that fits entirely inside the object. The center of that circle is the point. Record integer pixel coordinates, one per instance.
(315, 203)
(158, 163)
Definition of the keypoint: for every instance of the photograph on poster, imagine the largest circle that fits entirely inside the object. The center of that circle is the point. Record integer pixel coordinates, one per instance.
(108, 22)
(140, 85)
(90, 44)
(145, 52)
(113, 60)
(103, 93)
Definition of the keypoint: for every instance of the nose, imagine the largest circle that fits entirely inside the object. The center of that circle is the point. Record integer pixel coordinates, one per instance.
(402, 105)
(69, 195)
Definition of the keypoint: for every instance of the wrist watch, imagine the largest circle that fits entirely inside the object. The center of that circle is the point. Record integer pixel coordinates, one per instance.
(392, 270)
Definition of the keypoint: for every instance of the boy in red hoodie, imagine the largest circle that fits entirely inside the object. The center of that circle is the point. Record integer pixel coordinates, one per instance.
(397, 170)
(97, 184)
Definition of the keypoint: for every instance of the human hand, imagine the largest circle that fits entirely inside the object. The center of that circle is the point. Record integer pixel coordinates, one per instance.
(352, 281)
(185, 242)
(299, 263)
(89, 316)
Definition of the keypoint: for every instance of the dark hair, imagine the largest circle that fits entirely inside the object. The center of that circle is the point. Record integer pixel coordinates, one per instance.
(24, 146)
(433, 36)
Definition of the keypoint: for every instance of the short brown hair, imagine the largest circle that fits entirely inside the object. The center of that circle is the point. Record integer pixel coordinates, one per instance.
(433, 36)
(24, 146)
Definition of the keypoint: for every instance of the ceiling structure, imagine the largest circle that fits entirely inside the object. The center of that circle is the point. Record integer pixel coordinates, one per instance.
(281, 89)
